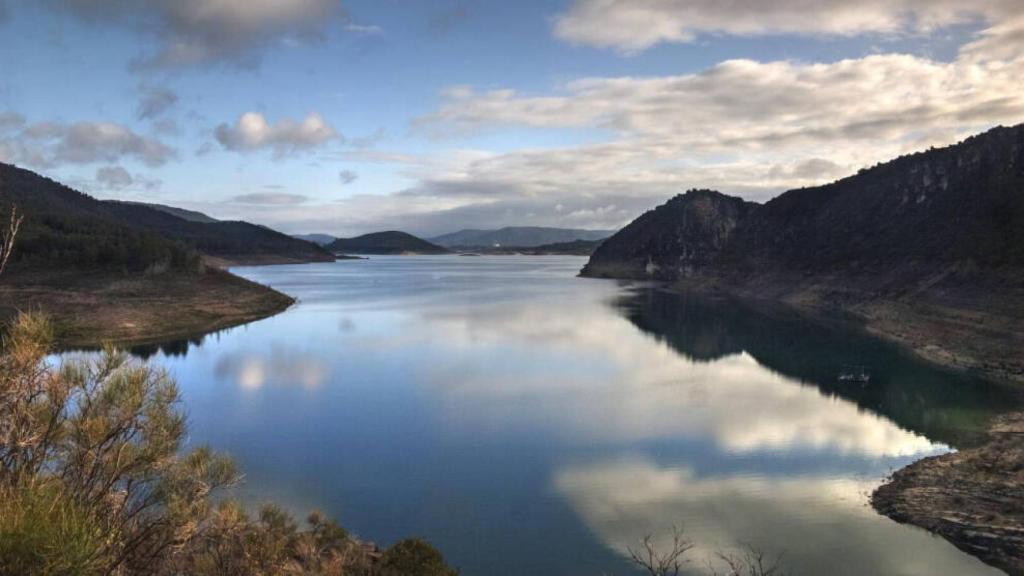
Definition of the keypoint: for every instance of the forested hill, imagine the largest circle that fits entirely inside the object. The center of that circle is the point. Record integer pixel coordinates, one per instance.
(391, 242)
(64, 227)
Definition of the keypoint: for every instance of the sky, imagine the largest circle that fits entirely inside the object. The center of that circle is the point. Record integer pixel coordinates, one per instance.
(350, 116)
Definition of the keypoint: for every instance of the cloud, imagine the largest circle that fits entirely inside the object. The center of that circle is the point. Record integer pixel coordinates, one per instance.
(450, 16)
(114, 178)
(742, 126)
(632, 26)
(364, 29)
(11, 120)
(347, 177)
(51, 144)
(270, 199)
(154, 101)
(252, 132)
(117, 179)
(209, 31)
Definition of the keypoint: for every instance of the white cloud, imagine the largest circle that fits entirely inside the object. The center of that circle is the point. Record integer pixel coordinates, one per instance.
(205, 31)
(743, 127)
(253, 132)
(51, 144)
(635, 25)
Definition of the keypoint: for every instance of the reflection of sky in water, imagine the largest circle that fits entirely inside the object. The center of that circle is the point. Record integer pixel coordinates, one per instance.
(507, 411)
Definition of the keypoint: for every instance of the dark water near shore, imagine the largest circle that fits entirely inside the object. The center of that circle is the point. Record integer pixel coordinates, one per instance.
(530, 422)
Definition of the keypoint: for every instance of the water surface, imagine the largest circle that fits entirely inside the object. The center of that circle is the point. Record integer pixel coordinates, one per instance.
(530, 422)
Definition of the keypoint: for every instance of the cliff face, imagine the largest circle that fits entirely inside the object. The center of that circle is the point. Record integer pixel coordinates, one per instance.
(684, 237)
(928, 249)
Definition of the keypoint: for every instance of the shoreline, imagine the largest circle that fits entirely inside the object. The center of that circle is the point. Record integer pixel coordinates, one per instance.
(950, 332)
(92, 310)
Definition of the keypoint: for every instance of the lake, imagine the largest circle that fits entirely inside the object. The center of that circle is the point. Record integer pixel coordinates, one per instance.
(526, 421)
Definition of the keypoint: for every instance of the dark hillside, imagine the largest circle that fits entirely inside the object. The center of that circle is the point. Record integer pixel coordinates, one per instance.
(66, 227)
(392, 242)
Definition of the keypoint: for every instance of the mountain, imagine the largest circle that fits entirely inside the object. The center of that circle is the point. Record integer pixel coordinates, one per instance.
(391, 242)
(65, 227)
(923, 247)
(190, 215)
(321, 239)
(960, 206)
(574, 248)
(517, 236)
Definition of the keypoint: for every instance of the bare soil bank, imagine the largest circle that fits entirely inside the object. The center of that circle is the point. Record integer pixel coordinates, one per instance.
(89, 310)
(973, 498)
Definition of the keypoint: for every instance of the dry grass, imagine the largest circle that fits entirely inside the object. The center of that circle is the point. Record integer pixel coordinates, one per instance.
(92, 309)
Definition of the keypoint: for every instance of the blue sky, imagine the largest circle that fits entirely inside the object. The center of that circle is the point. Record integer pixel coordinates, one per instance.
(352, 116)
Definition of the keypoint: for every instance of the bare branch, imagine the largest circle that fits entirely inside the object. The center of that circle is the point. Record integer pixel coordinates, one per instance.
(667, 562)
(8, 236)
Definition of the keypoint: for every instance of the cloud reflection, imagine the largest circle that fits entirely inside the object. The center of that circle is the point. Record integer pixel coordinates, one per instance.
(821, 524)
(281, 366)
(598, 379)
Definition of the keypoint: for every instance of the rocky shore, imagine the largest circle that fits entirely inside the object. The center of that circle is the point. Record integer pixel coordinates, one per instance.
(973, 498)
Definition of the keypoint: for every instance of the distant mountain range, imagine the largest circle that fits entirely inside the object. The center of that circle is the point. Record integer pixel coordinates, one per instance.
(516, 236)
(321, 239)
(66, 228)
(391, 242)
(925, 245)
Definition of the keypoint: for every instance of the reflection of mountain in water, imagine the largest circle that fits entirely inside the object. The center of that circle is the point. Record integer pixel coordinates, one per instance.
(173, 348)
(944, 406)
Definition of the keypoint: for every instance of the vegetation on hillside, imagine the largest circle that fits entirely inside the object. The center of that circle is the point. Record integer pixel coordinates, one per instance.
(65, 228)
(95, 479)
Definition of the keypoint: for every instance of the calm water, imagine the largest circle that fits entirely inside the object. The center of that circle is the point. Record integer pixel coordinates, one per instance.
(530, 422)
